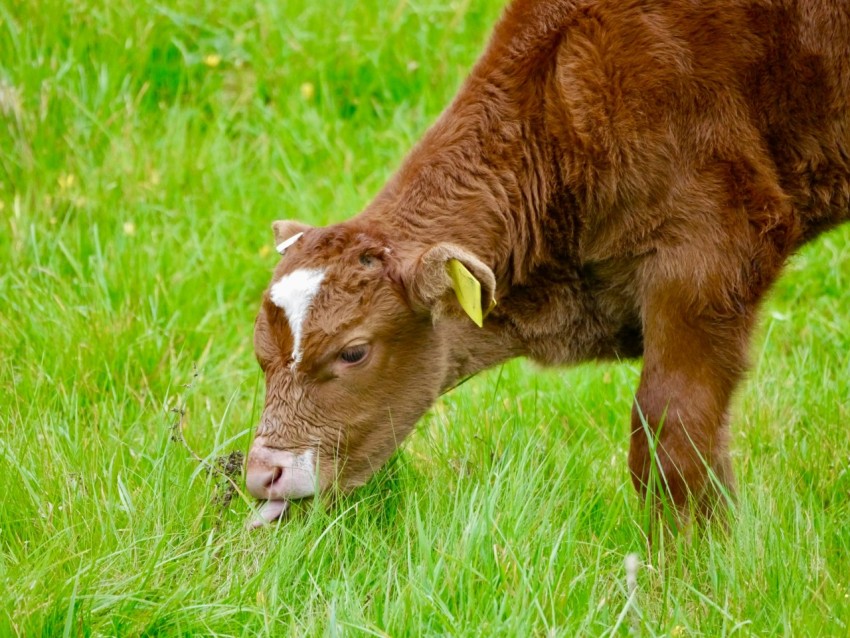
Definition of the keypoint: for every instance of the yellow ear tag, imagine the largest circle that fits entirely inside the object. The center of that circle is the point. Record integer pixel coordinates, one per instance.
(468, 291)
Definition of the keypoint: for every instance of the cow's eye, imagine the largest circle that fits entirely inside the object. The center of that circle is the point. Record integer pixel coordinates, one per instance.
(354, 354)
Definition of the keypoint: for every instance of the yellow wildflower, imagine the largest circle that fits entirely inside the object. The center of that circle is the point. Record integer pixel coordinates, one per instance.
(66, 181)
(308, 91)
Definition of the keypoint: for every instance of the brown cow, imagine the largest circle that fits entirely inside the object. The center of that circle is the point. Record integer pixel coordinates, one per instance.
(624, 178)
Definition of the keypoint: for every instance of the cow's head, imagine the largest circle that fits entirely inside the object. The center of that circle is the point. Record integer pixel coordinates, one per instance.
(349, 339)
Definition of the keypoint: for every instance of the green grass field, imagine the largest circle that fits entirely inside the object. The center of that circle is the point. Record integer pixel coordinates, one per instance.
(145, 148)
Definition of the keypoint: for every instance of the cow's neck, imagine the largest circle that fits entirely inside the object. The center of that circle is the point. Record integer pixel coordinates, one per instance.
(470, 349)
(482, 178)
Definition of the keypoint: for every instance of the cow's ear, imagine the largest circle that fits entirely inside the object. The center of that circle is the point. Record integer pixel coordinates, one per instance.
(287, 232)
(448, 274)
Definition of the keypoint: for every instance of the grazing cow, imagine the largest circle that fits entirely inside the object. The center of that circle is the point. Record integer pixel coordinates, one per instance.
(616, 178)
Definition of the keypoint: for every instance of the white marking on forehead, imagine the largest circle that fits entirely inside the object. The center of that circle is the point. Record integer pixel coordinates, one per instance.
(282, 246)
(294, 293)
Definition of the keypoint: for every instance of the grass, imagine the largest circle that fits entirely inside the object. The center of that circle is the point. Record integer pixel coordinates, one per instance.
(145, 147)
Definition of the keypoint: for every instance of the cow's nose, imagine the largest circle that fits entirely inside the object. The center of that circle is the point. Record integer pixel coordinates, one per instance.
(280, 474)
(260, 479)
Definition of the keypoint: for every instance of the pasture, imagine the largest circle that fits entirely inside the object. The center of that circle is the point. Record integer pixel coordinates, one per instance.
(145, 148)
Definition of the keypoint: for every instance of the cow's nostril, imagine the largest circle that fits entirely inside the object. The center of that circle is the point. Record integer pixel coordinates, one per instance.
(260, 480)
(274, 476)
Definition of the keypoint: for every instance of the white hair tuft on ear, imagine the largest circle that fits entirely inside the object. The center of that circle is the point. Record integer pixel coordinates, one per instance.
(281, 247)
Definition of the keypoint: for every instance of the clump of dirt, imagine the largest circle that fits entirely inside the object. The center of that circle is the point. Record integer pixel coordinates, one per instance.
(227, 467)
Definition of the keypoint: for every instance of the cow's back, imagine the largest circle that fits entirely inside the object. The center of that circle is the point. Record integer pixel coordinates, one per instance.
(660, 106)
(800, 91)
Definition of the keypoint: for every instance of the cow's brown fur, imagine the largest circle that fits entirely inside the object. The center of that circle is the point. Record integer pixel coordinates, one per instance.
(634, 174)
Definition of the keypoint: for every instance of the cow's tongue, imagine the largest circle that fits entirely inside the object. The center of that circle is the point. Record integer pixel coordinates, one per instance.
(270, 511)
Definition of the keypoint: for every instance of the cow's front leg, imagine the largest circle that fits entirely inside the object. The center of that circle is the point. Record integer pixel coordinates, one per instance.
(694, 356)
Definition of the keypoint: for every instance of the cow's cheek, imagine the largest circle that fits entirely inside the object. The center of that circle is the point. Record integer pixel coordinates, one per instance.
(370, 447)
